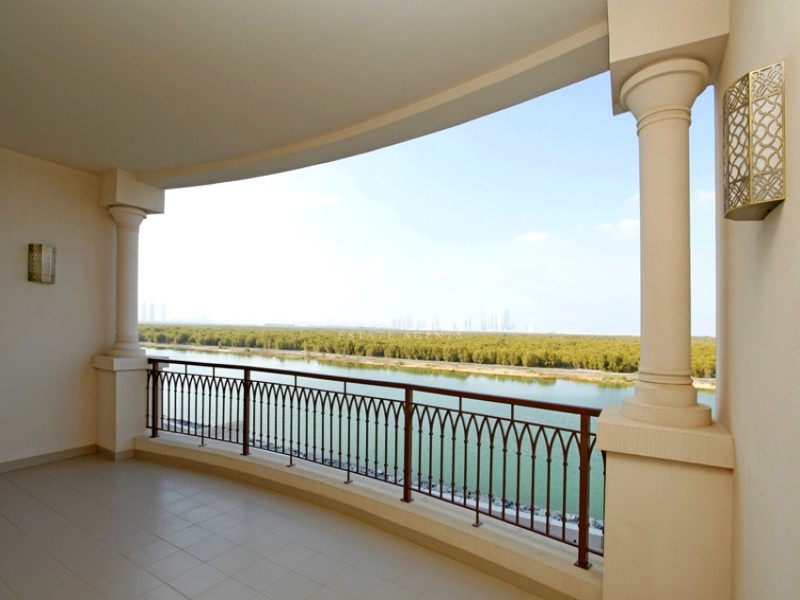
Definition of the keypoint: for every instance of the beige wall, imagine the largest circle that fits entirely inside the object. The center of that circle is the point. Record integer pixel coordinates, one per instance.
(759, 329)
(49, 333)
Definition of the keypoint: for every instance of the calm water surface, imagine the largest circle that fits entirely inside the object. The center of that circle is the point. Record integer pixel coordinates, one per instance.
(558, 391)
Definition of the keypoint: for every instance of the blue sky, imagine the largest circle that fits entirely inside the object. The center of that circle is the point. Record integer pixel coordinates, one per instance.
(533, 209)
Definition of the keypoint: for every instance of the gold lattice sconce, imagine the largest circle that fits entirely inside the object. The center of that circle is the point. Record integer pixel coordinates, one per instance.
(41, 263)
(754, 144)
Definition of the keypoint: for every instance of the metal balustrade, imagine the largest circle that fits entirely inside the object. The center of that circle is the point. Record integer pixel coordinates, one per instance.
(531, 464)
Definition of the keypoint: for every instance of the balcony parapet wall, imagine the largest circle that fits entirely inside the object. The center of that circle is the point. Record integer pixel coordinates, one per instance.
(537, 565)
(669, 509)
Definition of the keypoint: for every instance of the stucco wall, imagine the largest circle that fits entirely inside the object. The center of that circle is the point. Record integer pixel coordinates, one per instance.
(49, 333)
(759, 329)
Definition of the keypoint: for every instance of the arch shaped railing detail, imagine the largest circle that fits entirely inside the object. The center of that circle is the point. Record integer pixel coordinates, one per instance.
(534, 465)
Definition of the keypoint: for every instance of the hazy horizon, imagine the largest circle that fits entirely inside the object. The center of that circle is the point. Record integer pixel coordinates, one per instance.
(368, 328)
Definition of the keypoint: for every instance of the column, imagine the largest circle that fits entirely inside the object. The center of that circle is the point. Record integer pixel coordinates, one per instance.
(660, 96)
(128, 219)
(669, 470)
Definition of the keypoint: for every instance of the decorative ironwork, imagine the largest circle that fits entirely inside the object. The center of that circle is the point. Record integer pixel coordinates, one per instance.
(531, 464)
(754, 144)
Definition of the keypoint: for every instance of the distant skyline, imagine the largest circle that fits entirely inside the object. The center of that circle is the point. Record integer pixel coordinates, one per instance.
(532, 210)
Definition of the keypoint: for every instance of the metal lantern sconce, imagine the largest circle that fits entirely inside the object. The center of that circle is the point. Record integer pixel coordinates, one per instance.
(754, 169)
(41, 263)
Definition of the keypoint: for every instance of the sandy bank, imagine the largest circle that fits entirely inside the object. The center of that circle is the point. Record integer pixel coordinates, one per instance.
(585, 375)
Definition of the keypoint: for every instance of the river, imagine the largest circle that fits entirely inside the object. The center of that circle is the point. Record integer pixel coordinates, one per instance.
(576, 393)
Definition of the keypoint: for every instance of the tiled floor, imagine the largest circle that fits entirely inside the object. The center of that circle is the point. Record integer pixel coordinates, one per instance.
(89, 529)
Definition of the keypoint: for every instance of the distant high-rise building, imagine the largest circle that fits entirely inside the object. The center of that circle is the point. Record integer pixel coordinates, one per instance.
(152, 312)
(504, 320)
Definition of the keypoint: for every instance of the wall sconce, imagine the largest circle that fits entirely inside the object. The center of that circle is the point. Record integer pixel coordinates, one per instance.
(42, 263)
(753, 144)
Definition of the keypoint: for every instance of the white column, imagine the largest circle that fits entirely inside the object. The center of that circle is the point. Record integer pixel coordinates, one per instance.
(128, 219)
(660, 96)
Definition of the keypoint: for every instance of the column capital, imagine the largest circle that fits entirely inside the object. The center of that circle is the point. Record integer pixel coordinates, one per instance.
(122, 187)
(669, 86)
(127, 216)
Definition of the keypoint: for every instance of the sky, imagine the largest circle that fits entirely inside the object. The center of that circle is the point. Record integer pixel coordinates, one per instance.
(533, 210)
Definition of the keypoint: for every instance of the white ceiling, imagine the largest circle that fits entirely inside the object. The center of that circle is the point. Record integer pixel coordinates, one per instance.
(183, 92)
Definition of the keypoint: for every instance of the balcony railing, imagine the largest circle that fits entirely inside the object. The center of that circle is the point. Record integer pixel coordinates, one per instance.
(532, 464)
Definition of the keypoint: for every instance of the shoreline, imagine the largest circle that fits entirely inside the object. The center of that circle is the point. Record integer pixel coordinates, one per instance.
(577, 375)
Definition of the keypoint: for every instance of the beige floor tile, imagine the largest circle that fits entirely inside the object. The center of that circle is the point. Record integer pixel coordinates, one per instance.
(152, 553)
(219, 523)
(167, 525)
(94, 529)
(391, 591)
(322, 568)
(292, 555)
(378, 564)
(130, 586)
(174, 565)
(234, 560)
(261, 574)
(162, 592)
(449, 587)
(229, 589)
(328, 594)
(318, 540)
(241, 532)
(266, 543)
(292, 586)
(348, 551)
(136, 540)
(200, 514)
(100, 575)
(184, 538)
(210, 548)
(198, 580)
(413, 577)
(355, 583)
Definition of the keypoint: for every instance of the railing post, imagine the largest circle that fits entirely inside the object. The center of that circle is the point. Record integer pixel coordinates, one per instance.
(408, 411)
(246, 426)
(154, 412)
(583, 499)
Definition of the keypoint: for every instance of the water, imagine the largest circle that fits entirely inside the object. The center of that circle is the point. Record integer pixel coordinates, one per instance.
(576, 393)
(556, 391)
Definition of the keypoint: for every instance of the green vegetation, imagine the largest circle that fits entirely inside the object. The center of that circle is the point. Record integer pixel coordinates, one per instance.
(617, 354)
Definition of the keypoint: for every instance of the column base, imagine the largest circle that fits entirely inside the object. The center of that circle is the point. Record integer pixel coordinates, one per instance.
(127, 350)
(698, 415)
(672, 405)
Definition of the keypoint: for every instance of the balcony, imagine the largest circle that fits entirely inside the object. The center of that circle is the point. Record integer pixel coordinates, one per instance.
(98, 123)
(91, 529)
(361, 446)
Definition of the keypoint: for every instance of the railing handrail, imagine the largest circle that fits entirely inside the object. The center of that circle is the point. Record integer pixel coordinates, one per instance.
(582, 436)
(538, 404)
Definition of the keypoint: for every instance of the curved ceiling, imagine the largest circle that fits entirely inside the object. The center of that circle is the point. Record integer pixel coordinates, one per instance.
(186, 92)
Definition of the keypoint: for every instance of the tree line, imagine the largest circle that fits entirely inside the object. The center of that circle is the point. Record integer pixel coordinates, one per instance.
(617, 354)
